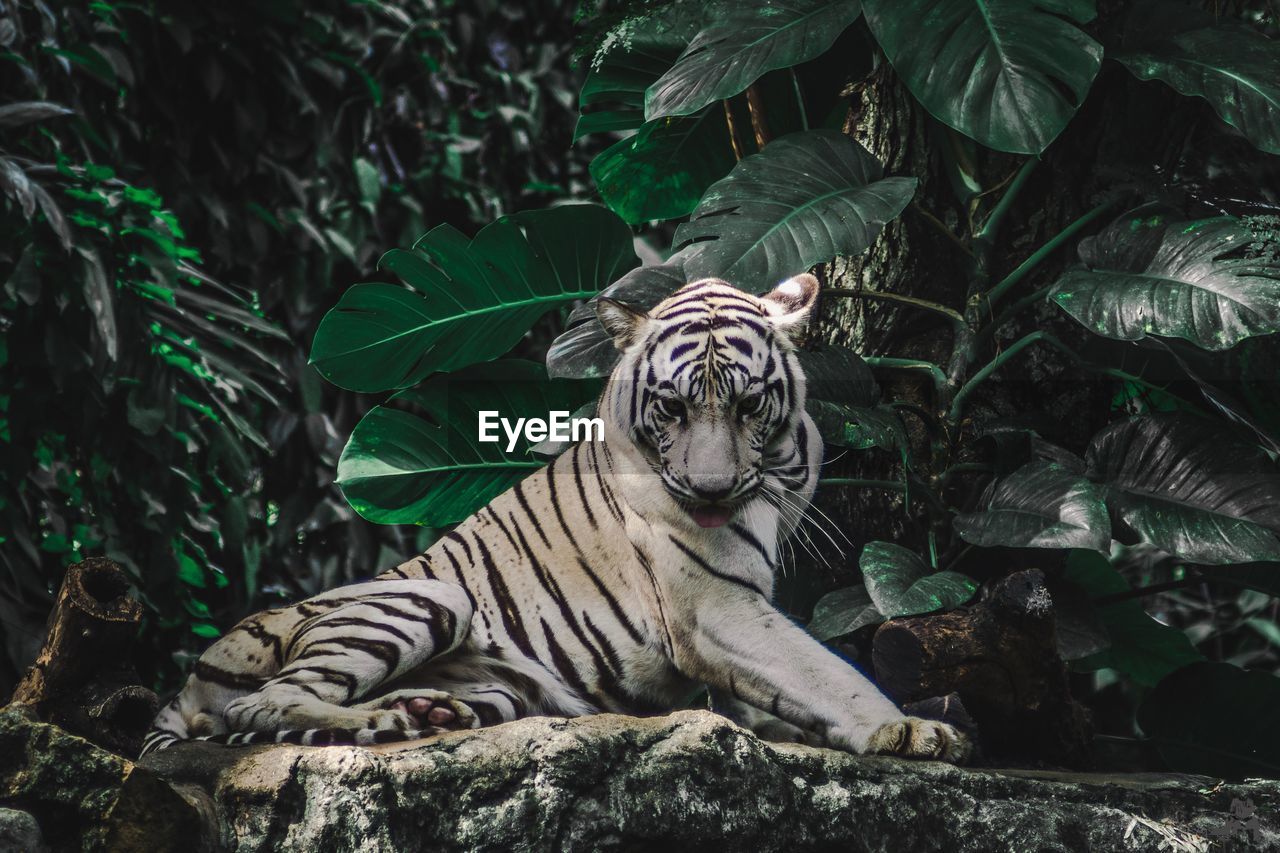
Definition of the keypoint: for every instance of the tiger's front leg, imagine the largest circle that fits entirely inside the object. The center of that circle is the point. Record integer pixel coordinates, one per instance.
(761, 658)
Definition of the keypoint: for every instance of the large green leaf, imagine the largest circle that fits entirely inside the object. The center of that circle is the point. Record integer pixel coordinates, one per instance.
(662, 171)
(1189, 280)
(586, 350)
(838, 375)
(612, 96)
(1008, 73)
(740, 44)
(1232, 66)
(417, 459)
(1215, 719)
(842, 612)
(471, 300)
(1185, 486)
(1041, 505)
(805, 198)
(1140, 647)
(900, 584)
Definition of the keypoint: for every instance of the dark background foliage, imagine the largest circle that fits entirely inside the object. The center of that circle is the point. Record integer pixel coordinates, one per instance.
(206, 180)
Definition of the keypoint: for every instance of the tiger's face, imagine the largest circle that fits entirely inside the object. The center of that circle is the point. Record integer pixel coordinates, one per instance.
(709, 388)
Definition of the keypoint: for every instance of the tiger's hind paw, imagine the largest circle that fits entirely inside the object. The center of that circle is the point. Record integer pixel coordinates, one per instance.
(912, 737)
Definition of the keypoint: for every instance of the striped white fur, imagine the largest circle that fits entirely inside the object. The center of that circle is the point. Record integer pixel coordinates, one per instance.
(622, 577)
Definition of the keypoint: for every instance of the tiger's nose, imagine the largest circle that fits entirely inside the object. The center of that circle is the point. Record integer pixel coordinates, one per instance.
(716, 490)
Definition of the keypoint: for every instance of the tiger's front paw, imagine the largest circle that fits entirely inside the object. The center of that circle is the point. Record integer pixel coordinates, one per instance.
(912, 737)
(427, 710)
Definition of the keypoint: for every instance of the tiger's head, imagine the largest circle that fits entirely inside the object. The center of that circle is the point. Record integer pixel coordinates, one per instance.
(708, 389)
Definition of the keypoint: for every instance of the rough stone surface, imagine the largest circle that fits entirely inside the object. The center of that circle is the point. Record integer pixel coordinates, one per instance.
(688, 781)
(83, 797)
(20, 833)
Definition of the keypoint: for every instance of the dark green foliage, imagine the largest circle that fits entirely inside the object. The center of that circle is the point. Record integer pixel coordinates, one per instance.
(1194, 718)
(742, 42)
(416, 458)
(1189, 280)
(727, 92)
(220, 173)
(902, 584)
(803, 199)
(468, 301)
(1008, 73)
(1133, 642)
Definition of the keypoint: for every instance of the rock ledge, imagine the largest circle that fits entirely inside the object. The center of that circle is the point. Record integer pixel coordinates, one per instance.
(691, 780)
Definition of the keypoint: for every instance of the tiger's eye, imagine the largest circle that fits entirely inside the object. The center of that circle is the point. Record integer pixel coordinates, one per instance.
(671, 407)
(751, 405)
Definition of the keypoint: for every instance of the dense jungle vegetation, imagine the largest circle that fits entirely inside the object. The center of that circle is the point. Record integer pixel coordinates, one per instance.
(262, 267)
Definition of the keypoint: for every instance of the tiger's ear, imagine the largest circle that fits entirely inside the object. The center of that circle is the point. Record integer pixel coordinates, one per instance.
(622, 322)
(790, 303)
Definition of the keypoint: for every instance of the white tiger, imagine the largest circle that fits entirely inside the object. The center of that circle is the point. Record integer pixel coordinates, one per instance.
(622, 577)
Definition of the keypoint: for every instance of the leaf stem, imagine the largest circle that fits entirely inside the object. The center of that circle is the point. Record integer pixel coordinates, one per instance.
(991, 227)
(914, 301)
(957, 403)
(942, 228)
(889, 485)
(1002, 287)
(939, 378)
(1012, 311)
(795, 85)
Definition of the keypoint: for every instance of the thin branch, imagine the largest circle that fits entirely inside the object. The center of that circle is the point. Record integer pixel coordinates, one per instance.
(914, 301)
(755, 106)
(733, 131)
(1143, 591)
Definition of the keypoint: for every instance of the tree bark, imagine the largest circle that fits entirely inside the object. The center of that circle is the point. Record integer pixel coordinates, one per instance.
(83, 679)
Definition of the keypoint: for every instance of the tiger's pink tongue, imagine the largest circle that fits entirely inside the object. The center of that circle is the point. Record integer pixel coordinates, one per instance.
(711, 516)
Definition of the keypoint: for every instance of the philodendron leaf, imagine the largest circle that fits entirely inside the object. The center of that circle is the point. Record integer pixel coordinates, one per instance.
(1008, 73)
(662, 171)
(1187, 280)
(1041, 505)
(1215, 719)
(417, 459)
(1183, 485)
(838, 375)
(805, 198)
(842, 612)
(586, 350)
(857, 427)
(740, 44)
(901, 584)
(1140, 647)
(468, 301)
(1232, 66)
(612, 96)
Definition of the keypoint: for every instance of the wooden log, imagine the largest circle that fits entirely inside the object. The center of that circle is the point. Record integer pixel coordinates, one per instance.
(83, 679)
(1000, 658)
